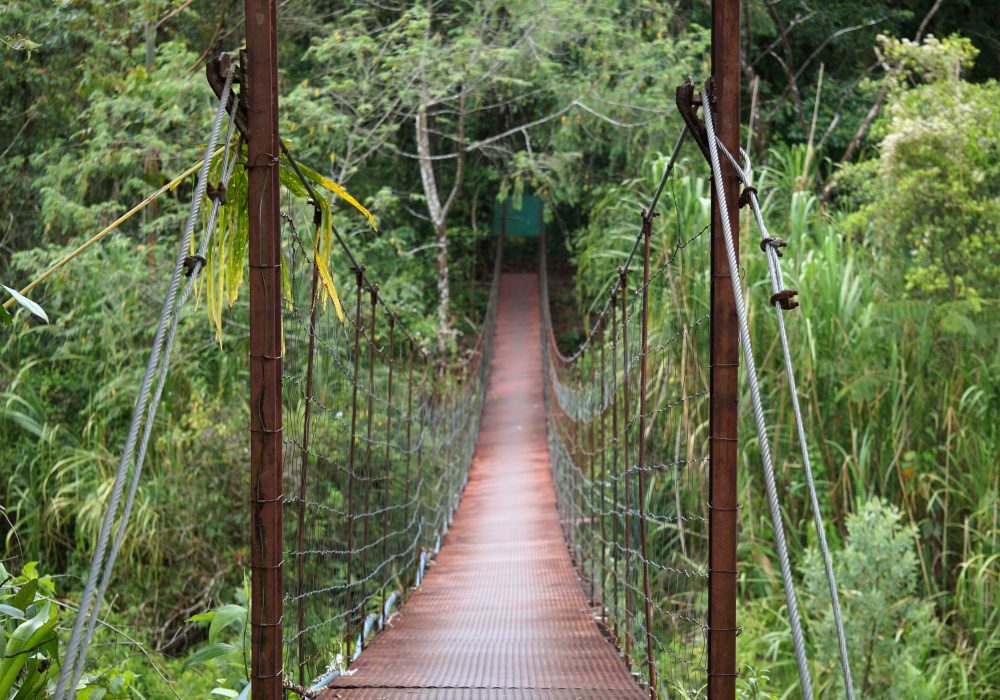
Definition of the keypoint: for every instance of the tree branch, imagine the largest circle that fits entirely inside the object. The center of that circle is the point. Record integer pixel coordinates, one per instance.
(927, 20)
(460, 166)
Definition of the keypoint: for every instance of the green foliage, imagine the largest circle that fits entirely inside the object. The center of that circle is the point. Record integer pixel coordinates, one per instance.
(137, 131)
(894, 341)
(28, 643)
(64, 412)
(227, 659)
(896, 397)
(930, 198)
(890, 628)
(751, 685)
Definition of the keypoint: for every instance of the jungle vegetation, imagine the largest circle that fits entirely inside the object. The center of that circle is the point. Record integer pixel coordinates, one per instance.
(874, 127)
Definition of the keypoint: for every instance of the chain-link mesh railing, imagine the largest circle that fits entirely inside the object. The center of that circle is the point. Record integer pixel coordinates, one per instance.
(378, 439)
(628, 438)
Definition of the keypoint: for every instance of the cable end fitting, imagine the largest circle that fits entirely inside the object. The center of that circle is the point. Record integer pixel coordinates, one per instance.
(785, 299)
(745, 195)
(776, 244)
(192, 264)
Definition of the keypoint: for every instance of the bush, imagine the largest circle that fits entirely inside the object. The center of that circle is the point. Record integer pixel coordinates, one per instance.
(929, 200)
(889, 628)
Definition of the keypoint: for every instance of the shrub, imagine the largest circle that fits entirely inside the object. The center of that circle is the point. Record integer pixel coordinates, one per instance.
(929, 200)
(889, 628)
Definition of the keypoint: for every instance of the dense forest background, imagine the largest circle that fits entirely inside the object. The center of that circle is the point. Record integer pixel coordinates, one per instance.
(875, 130)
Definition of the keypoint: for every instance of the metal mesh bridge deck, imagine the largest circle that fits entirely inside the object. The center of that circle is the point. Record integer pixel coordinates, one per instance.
(501, 614)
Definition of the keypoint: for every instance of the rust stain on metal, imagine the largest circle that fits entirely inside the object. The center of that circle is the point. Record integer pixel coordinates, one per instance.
(501, 614)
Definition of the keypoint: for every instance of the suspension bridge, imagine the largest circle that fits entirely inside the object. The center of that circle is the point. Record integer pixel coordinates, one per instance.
(523, 523)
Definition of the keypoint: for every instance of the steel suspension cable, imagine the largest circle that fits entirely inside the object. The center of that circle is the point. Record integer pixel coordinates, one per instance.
(778, 285)
(758, 411)
(102, 563)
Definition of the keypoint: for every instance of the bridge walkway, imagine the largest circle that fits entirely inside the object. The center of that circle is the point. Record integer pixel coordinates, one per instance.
(501, 614)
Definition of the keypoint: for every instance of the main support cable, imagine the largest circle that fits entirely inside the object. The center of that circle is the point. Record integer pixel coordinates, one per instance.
(758, 410)
(648, 214)
(143, 416)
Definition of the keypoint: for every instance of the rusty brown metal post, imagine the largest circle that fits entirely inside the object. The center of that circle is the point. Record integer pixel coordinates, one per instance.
(616, 440)
(261, 97)
(359, 276)
(575, 458)
(369, 474)
(386, 467)
(409, 444)
(592, 459)
(627, 515)
(424, 434)
(724, 361)
(304, 476)
(647, 232)
(604, 479)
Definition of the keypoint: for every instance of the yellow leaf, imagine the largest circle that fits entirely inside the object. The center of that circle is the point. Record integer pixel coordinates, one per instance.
(336, 189)
(324, 274)
(346, 196)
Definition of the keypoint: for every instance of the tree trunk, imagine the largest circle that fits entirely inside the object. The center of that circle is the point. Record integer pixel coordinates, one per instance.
(438, 212)
(444, 295)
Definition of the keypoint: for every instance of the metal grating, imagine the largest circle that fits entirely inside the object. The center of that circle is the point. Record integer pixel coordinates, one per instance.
(501, 613)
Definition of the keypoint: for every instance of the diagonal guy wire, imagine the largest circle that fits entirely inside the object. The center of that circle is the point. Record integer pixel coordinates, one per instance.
(103, 561)
(758, 411)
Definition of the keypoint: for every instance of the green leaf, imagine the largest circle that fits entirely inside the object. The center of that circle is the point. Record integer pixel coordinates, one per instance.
(225, 692)
(11, 611)
(33, 679)
(224, 617)
(93, 693)
(202, 617)
(27, 303)
(25, 596)
(207, 653)
(28, 635)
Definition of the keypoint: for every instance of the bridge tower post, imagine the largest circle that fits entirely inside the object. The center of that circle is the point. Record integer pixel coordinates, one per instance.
(259, 92)
(724, 361)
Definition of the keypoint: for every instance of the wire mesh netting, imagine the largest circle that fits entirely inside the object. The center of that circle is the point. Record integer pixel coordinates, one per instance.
(378, 440)
(628, 417)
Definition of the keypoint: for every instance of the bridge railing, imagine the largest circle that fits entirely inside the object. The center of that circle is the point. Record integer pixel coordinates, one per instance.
(378, 438)
(628, 419)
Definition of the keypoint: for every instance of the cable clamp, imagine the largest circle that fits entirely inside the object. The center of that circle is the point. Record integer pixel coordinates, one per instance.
(217, 192)
(745, 195)
(785, 298)
(776, 244)
(270, 160)
(192, 264)
(724, 509)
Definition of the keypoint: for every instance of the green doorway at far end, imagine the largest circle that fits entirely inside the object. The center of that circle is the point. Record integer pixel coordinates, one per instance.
(518, 222)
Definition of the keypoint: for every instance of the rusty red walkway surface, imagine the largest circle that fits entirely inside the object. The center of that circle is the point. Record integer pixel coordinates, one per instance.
(501, 614)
